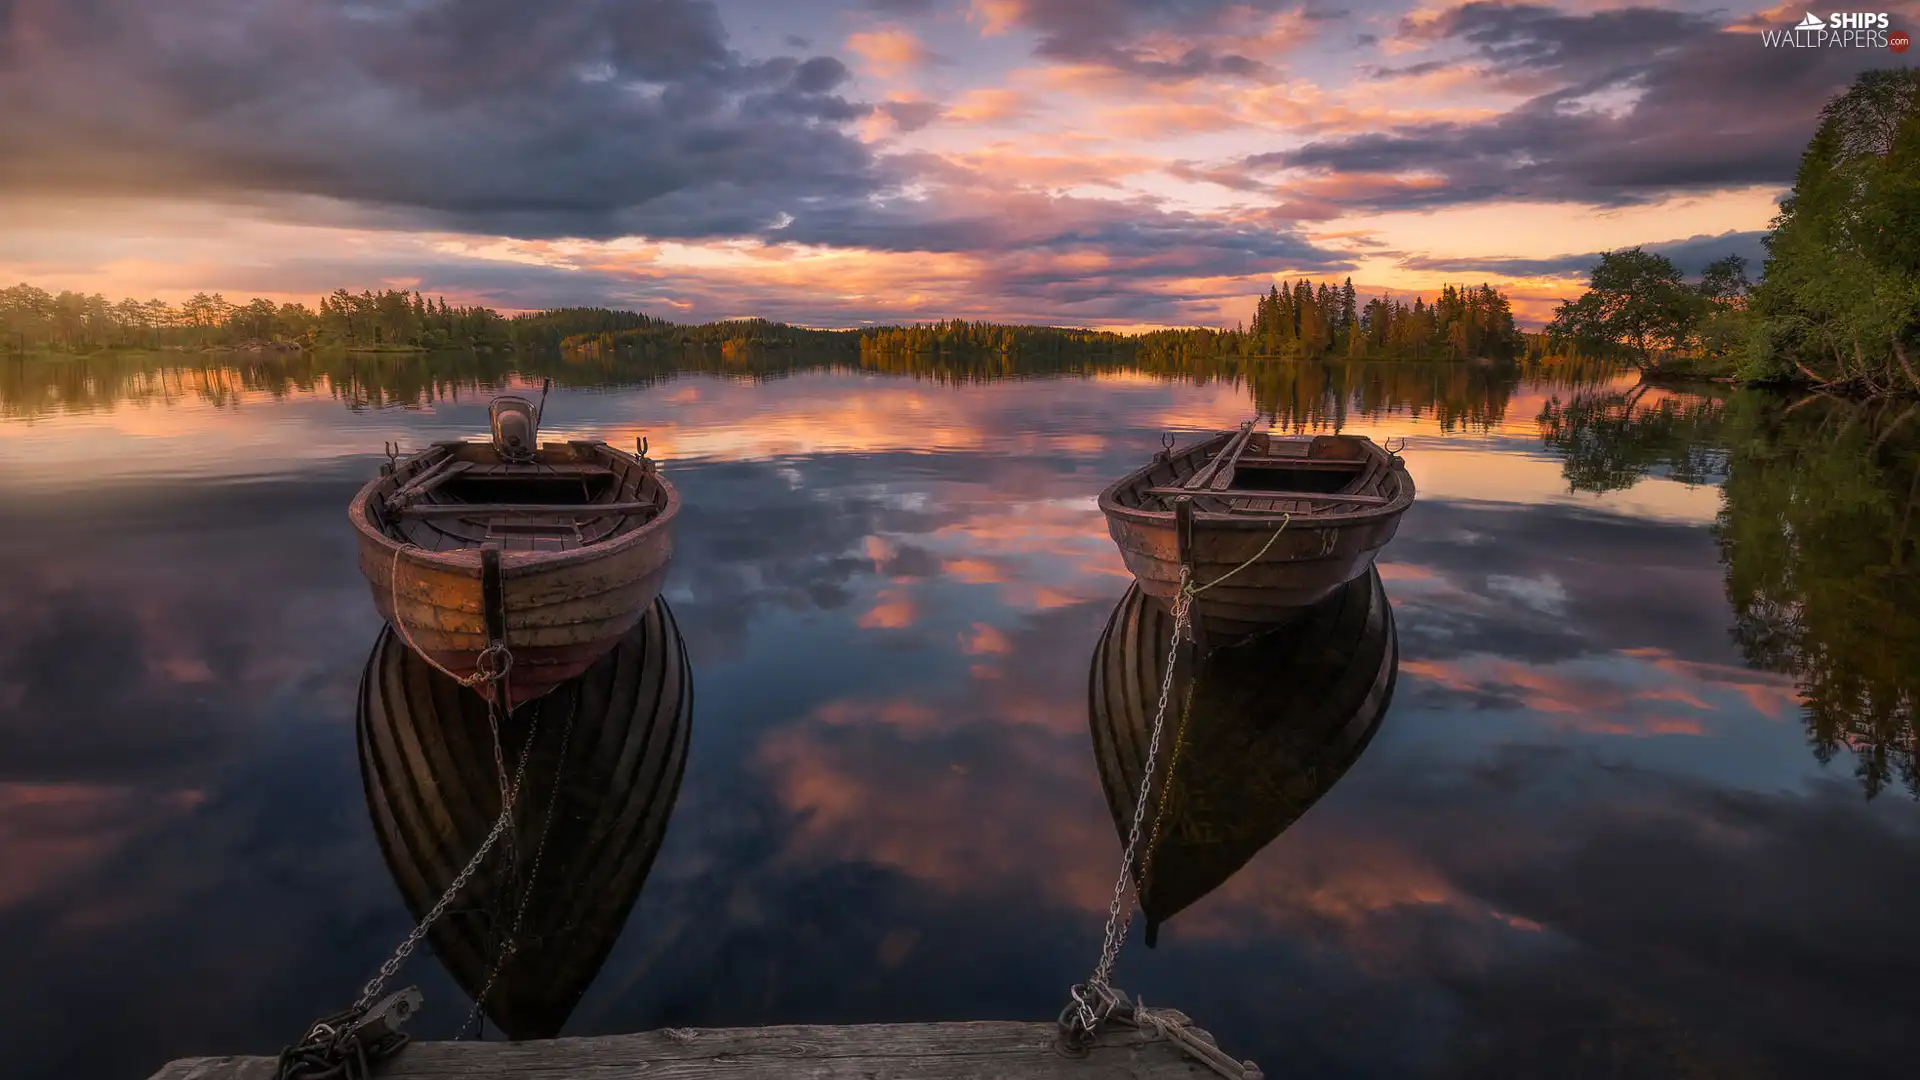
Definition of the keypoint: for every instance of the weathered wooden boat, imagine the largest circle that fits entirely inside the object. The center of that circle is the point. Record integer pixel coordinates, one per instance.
(1216, 504)
(1276, 719)
(552, 550)
(609, 748)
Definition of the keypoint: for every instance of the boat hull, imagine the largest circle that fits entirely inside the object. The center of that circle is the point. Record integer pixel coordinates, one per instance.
(1254, 571)
(559, 619)
(563, 610)
(1303, 566)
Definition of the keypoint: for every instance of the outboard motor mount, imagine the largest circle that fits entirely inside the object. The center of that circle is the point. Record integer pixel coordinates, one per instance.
(515, 428)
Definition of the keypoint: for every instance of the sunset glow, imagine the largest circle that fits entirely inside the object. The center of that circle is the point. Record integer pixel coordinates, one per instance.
(1121, 163)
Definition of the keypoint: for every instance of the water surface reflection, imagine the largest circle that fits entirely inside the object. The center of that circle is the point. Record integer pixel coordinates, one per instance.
(1590, 839)
(598, 763)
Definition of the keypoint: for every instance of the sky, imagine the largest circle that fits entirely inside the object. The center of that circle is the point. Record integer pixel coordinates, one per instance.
(1120, 163)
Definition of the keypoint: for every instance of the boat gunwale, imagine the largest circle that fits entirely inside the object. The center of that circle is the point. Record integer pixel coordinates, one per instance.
(522, 563)
(1252, 520)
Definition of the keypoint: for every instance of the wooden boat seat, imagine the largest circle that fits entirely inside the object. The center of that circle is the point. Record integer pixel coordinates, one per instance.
(535, 472)
(533, 534)
(1235, 496)
(570, 511)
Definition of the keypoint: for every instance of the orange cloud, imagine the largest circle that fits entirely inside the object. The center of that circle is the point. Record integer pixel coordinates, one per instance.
(984, 639)
(891, 51)
(1164, 120)
(899, 715)
(973, 571)
(989, 106)
(879, 550)
(994, 16)
(1000, 163)
(1043, 830)
(1573, 697)
(892, 610)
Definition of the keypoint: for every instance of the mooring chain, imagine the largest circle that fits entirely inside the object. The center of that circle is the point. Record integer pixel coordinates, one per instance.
(511, 943)
(1093, 1000)
(346, 1045)
(414, 936)
(1096, 1001)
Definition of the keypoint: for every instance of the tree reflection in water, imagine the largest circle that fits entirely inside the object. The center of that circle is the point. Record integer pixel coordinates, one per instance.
(1818, 526)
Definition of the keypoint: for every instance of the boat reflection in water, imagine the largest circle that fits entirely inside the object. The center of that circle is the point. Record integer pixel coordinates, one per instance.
(1272, 723)
(609, 748)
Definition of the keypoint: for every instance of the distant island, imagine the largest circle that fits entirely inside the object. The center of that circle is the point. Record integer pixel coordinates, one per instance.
(1303, 321)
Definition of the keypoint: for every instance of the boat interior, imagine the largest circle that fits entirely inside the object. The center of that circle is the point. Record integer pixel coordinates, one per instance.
(558, 497)
(1263, 473)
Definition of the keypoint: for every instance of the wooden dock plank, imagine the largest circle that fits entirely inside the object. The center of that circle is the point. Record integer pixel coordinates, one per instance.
(980, 1050)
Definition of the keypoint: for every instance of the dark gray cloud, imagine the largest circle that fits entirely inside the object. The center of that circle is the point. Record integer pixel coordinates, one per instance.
(1691, 255)
(913, 115)
(1527, 37)
(1107, 33)
(902, 7)
(575, 118)
(1627, 106)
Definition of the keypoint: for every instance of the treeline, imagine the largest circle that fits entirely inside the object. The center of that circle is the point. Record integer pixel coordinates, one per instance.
(1312, 321)
(33, 318)
(1304, 321)
(575, 326)
(657, 337)
(1309, 321)
(1838, 302)
(959, 337)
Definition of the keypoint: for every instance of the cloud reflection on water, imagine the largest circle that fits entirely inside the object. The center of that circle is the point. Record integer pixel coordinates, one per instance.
(1506, 875)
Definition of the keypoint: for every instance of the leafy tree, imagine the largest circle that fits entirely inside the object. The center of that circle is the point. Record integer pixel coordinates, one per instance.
(1724, 282)
(1635, 300)
(1839, 303)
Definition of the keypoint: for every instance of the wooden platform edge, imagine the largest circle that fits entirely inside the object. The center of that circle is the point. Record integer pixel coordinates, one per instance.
(1004, 1050)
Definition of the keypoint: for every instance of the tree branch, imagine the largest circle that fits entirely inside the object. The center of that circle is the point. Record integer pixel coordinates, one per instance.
(1900, 352)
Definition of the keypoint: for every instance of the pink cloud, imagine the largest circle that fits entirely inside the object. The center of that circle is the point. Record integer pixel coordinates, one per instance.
(891, 51)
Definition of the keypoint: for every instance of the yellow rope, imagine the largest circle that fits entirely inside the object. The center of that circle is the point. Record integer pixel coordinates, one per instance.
(1258, 555)
(484, 669)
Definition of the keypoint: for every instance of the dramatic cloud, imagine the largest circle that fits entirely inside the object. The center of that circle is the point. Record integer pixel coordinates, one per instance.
(1127, 162)
(1627, 105)
(1156, 39)
(893, 51)
(1691, 255)
(578, 117)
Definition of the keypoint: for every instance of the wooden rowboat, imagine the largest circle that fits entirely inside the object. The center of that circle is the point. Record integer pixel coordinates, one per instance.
(580, 534)
(609, 750)
(1275, 721)
(1216, 504)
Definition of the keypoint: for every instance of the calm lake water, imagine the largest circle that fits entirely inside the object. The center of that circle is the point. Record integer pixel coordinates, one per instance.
(1642, 803)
